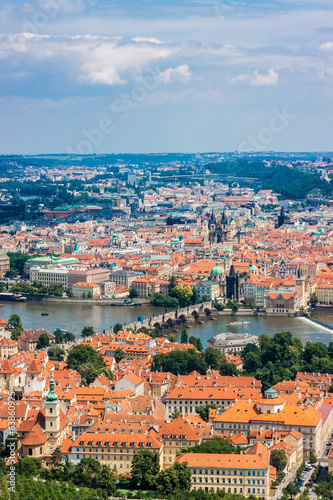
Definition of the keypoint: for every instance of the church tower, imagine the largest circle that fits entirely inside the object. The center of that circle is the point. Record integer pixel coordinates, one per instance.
(52, 414)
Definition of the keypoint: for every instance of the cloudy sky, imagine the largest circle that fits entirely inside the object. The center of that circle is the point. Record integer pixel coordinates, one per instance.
(108, 76)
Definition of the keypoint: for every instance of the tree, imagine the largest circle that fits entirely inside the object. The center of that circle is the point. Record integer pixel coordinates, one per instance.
(172, 337)
(86, 472)
(213, 357)
(70, 294)
(56, 353)
(84, 295)
(145, 464)
(194, 298)
(312, 458)
(292, 489)
(43, 341)
(177, 477)
(87, 331)
(227, 368)
(15, 322)
(176, 414)
(251, 362)
(182, 362)
(234, 306)
(184, 337)
(196, 341)
(89, 295)
(133, 293)
(117, 328)
(86, 361)
(314, 300)
(16, 332)
(107, 480)
(203, 411)
(278, 460)
(119, 354)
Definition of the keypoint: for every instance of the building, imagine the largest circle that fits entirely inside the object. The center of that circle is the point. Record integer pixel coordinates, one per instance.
(28, 339)
(131, 382)
(281, 303)
(4, 264)
(8, 347)
(87, 276)
(84, 288)
(123, 277)
(114, 450)
(232, 343)
(233, 284)
(271, 412)
(52, 276)
(39, 437)
(245, 474)
(207, 288)
(324, 292)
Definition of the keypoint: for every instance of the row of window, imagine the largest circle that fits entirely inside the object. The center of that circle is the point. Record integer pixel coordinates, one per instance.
(223, 480)
(262, 491)
(228, 472)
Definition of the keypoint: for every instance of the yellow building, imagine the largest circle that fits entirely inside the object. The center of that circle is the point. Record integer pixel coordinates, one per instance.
(246, 474)
(324, 293)
(8, 347)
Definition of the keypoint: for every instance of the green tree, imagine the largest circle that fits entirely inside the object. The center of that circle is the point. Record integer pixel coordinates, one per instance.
(213, 357)
(43, 341)
(15, 322)
(119, 354)
(176, 414)
(83, 296)
(56, 353)
(177, 477)
(252, 362)
(278, 460)
(107, 480)
(89, 295)
(314, 300)
(118, 327)
(184, 337)
(133, 293)
(86, 361)
(292, 490)
(87, 331)
(203, 411)
(227, 368)
(70, 294)
(172, 337)
(145, 464)
(312, 458)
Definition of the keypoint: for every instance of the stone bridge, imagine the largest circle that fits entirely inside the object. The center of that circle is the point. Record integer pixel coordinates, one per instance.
(176, 317)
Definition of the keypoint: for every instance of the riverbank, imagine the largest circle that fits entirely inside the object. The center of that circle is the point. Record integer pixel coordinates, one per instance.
(95, 302)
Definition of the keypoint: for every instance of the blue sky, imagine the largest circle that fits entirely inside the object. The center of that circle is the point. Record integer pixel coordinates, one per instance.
(155, 76)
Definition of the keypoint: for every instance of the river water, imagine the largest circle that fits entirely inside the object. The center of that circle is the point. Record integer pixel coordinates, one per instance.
(73, 317)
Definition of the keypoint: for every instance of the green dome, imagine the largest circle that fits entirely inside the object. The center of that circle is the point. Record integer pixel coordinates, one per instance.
(217, 270)
(253, 268)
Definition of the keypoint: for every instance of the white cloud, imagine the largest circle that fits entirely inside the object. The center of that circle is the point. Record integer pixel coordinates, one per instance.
(328, 46)
(181, 73)
(258, 80)
(149, 40)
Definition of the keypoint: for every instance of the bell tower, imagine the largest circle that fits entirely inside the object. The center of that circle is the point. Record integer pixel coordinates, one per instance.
(52, 413)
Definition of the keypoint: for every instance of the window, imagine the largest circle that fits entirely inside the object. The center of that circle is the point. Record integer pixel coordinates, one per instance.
(30, 452)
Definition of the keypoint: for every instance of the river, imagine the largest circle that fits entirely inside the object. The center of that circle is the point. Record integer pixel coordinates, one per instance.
(75, 316)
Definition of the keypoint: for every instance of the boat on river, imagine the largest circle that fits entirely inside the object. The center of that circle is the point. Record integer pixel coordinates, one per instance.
(239, 323)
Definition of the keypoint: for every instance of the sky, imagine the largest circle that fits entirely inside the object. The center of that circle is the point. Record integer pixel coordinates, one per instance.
(134, 76)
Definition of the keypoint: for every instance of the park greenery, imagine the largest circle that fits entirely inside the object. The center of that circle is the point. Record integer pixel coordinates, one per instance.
(89, 480)
(37, 288)
(215, 445)
(276, 358)
(87, 362)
